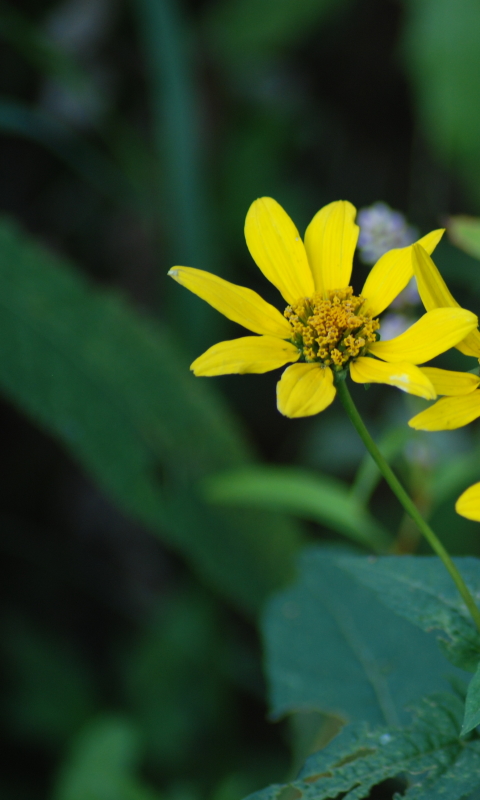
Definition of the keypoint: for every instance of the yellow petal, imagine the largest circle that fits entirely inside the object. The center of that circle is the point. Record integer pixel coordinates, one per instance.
(468, 504)
(305, 389)
(389, 276)
(435, 294)
(330, 242)
(470, 346)
(448, 413)
(435, 332)
(238, 303)
(247, 354)
(446, 381)
(277, 249)
(403, 375)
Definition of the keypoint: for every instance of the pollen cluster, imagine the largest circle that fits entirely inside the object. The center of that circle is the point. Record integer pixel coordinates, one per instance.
(331, 330)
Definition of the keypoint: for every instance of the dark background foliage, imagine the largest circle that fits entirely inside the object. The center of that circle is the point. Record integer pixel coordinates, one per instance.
(134, 136)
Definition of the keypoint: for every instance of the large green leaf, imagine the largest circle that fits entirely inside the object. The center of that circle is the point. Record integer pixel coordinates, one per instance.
(332, 647)
(302, 493)
(429, 753)
(443, 59)
(114, 388)
(472, 704)
(420, 589)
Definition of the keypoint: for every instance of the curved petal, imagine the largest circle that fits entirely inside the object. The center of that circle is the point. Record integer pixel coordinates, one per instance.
(434, 333)
(238, 303)
(448, 413)
(451, 383)
(470, 346)
(389, 276)
(277, 249)
(468, 504)
(435, 294)
(403, 375)
(330, 242)
(247, 354)
(305, 389)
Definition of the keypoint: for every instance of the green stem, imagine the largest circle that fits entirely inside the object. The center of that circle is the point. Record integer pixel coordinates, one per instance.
(405, 500)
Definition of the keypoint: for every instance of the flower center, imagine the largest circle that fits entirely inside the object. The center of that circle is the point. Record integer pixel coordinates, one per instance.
(332, 330)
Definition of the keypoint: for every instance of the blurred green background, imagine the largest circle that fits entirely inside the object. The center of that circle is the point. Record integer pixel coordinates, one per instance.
(146, 515)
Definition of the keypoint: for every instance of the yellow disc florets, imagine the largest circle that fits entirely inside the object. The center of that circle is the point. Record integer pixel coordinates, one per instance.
(331, 330)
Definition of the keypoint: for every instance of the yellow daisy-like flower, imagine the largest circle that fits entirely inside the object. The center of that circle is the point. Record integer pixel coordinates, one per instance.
(325, 329)
(462, 403)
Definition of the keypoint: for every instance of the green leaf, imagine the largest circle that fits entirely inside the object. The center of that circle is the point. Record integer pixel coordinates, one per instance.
(309, 495)
(420, 589)
(429, 753)
(115, 390)
(472, 704)
(443, 59)
(330, 646)
(103, 763)
(465, 233)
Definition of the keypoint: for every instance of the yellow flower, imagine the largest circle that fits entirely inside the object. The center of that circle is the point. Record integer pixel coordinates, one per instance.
(468, 504)
(325, 327)
(462, 404)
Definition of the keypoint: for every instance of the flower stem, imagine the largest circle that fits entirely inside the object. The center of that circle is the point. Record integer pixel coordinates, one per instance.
(405, 500)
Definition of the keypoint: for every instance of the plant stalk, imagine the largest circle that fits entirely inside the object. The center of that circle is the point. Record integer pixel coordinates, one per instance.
(405, 500)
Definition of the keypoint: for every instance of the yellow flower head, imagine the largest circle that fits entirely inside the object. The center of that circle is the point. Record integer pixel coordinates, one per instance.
(325, 328)
(462, 404)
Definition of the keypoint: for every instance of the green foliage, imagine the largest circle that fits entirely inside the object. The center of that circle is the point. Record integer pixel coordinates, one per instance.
(451, 476)
(102, 764)
(465, 233)
(420, 589)
(443, 59)
(182, 193)
(206, 107)
(305, 494)
(174, 681)
(368, 475)
(430, 753)
(34, 46)
(76, 151)
(472, 704)
(115, 390)
(251, 30)
(51, 690)
(330, 646)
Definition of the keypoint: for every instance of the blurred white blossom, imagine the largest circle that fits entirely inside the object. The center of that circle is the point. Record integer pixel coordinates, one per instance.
(382, 229)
